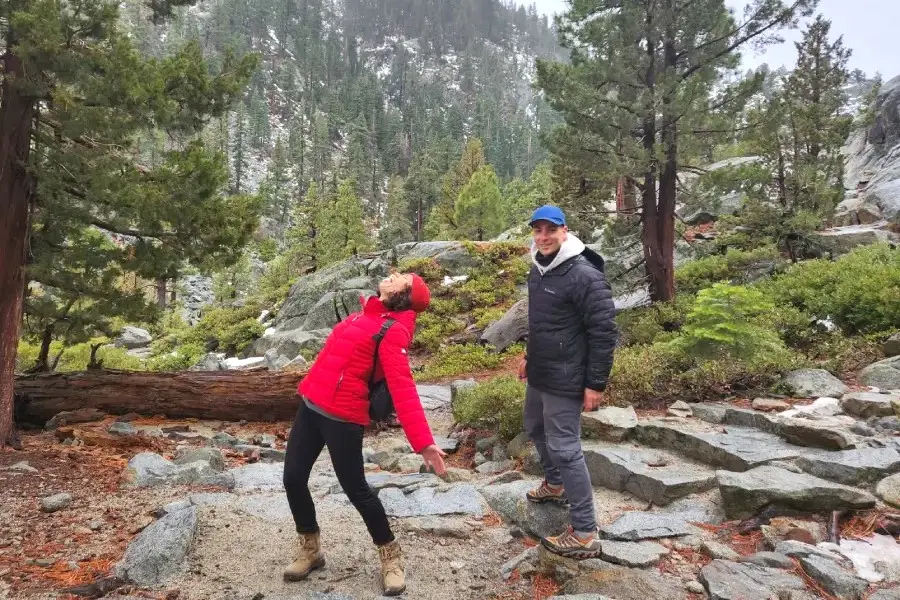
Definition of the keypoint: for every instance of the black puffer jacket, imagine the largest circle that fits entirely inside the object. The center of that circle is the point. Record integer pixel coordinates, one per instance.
(571, 323)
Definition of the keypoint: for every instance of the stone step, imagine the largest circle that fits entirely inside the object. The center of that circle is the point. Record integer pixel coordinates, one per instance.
(649, 474)
(827, 430)
(734, 448)
(743, 494)
(865, 466)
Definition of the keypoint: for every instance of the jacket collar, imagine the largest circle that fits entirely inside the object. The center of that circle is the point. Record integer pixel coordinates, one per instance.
(375, 307)
(570, 248)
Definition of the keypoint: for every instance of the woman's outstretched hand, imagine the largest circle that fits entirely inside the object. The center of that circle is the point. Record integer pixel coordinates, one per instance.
(434, 458)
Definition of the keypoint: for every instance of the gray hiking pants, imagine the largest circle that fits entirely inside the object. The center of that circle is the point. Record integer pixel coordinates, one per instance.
(554, 425)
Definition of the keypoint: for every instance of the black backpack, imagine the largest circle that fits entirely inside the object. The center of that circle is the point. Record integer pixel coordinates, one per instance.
(381, 405)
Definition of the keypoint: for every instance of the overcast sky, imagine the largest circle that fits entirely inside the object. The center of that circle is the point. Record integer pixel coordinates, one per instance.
(868, 27)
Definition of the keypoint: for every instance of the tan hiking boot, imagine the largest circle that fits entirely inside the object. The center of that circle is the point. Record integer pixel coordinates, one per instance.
(392, 569)
(309, 557)
(572, 545)
(547, 493)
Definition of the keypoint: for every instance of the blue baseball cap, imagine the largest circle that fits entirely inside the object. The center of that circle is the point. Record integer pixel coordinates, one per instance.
(554, 214)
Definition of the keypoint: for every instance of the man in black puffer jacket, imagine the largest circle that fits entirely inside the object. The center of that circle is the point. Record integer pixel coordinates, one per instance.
(571, 338)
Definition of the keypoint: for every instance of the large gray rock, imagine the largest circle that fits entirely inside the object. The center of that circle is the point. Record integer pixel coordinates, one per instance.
(841, 240)
(196, 294)
(258, 476)
(512, 327)
(460, 498)
(150, 470)
(636, 526)
(133, 337)
(633, 554)
(290, 342)
(609, 423)
(334, 307)
(867, 404)
(744, 494)
(891, 346)
(833, 578)
(212, 361)
(213, 456)
(508, 499)
(434, 397)
(159, 551)
(852, 467)
(885, 374)
(738, 449)
(624, 584)
(814, 431)
(56, 502)
(727, 580)
(815, 383)
(888, 489)
(651, 475)
(451, 256)
(775, 560)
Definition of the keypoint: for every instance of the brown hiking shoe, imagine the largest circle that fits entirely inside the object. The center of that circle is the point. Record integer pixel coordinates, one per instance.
(309, 557)
(546, 493)
(392, 569)
(570, 545)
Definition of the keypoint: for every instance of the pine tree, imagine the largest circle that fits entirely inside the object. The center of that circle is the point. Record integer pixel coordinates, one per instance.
(396, 228)
(441, 222)
(239, 150)
(340, 226)
(74, 95)
(637, 92)
(276, 190)
(478, 210)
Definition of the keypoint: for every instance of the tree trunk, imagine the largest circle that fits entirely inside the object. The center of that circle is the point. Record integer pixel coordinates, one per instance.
(256, 395)
(663, 278)
(161, 292)
(16, 123)
(43, 359)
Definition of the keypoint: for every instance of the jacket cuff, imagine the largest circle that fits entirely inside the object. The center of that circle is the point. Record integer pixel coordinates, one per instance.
(597, 387)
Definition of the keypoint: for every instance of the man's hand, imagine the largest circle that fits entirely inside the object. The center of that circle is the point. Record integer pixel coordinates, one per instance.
(522, 369)
(592, 400)
(434, 458)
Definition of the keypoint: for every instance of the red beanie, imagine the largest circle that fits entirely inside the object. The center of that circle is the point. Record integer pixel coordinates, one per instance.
(420, 294)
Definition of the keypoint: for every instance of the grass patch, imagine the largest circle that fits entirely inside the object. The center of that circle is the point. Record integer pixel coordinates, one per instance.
(495, 404)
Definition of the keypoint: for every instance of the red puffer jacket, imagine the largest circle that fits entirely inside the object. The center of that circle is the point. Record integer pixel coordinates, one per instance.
(338, 381)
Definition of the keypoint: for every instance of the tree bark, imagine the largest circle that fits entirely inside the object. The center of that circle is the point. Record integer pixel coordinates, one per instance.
(16, 123)
(256, 395)
(161, 292)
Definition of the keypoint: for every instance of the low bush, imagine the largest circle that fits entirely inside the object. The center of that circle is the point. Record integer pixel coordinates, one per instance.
(495, 404)
(729, 321)
(859, 292)
(77, 356)
(457, 359)
(657, 322)
(735, 266)
(228, 330)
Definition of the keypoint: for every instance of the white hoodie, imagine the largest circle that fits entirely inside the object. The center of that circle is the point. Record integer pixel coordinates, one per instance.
(569, 248)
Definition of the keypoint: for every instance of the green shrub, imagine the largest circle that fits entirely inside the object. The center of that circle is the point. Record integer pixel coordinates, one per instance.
(426, 268)
(177, 359)
(485, 316)
(228, 330)
(457, 359)
(432, 330)
(495, 404)
(728, 321)
(658, 322)
(77, 356)
(860, 291)
(653, 375)
(733, 267)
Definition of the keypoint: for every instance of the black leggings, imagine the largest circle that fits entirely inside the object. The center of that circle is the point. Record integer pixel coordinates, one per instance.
(309, 434)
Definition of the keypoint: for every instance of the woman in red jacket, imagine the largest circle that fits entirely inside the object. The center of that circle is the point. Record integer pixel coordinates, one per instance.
(334, 409)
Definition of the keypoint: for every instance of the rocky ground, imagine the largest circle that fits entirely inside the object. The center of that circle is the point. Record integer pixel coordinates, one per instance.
(725, 501)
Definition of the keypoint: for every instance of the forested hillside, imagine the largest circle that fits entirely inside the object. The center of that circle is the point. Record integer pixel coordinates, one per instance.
(367, 90)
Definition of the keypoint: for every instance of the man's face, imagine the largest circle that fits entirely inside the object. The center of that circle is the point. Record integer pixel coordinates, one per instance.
(395, 283)
(548, 237)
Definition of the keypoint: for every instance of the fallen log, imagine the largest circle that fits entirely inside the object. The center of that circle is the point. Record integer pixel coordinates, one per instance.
(252, 395)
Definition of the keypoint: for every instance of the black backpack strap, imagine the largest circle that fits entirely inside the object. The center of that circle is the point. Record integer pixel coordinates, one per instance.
(378, 337)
